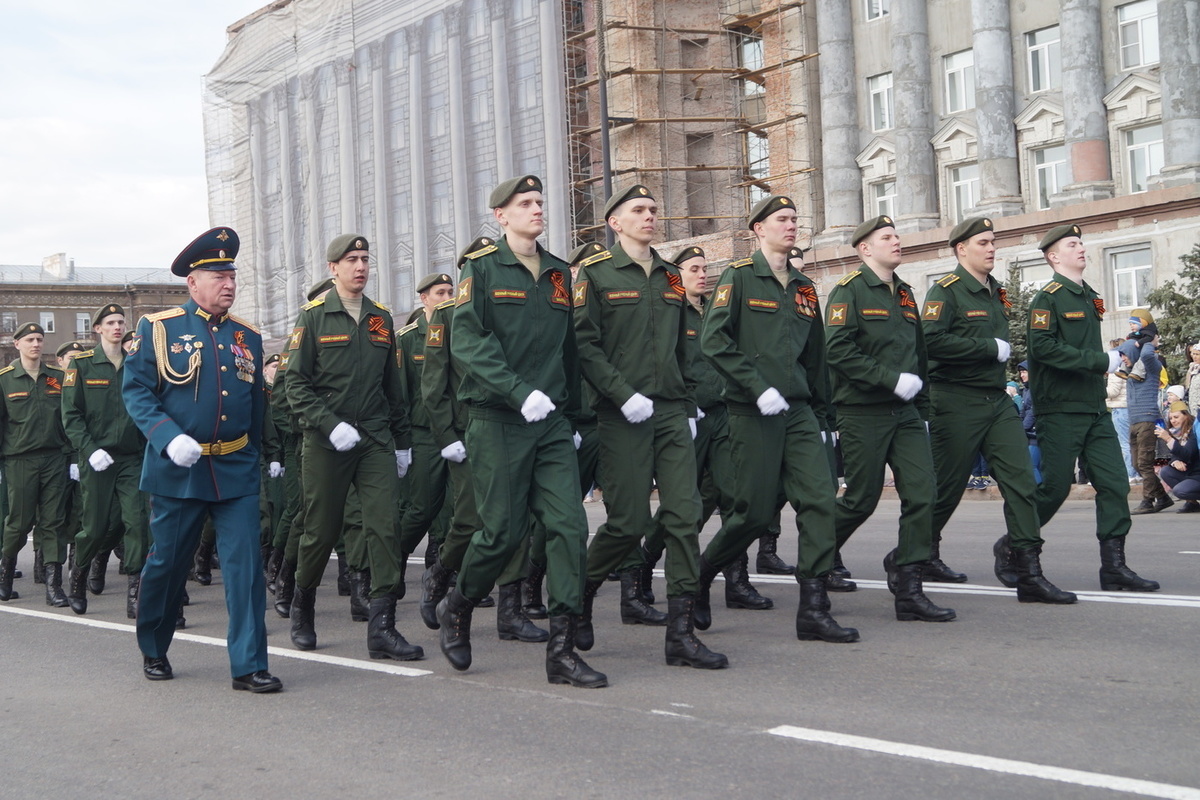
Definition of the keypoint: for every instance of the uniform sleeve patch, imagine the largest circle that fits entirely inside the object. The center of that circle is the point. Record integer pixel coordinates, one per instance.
(1039, 319)
(464, 292)
(283, 361)
(295, 339)
(135, 344)
(721, 298)
(837, 314)
(435, 336)
(933, 310)
(579, 294)
(69, 379)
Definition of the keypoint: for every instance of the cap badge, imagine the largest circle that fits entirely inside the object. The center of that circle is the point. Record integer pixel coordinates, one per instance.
(783, 201)
(887, 221)
(223, 236)
(643, 190)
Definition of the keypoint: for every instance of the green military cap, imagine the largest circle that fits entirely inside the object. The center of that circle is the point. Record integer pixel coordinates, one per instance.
(319, 288)
(274, 358)
(412, 315)
(637, 190)
(968, 228)
(869, 227)
(67, 347)
(767, 206)
(129, 334)
(344, 244)
(796, 252)
(478, 244)
(430, 281)
(583, 251)
(686, 254)
(104, 311)
(28, 329)
(1061, 232)
(504, 192)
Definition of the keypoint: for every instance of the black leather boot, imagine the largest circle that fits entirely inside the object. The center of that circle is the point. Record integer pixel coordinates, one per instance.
(119, 552)
(285, 588)
(511, 622)
(911, 602)
(683, 648)
(77, 586)
(131, 595)
(936, 569)
(813, 620)
(8, 565)
(889, 569)
(1032, 587)
(431, 551)
(454, 636)
(187, 601)
(343, 578)
(634, 610)
(180, 620)
(360, 594)
(383, 640)
(702, 617)
(97, 574)
(768, 561)
(204, 564)
(1006, 573)
(39, 567)
(585, 634)
(839, 568)
(531, 591)
(271, 569)
(303, 613)
(838, 578)
(646, 576)
(1115, 575)
(563, 664)
(435, 582)
(54, 590)
(739, 592)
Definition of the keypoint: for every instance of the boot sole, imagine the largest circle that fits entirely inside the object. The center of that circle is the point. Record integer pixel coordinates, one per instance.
(358, 617)
(1046, 600)
(381, 654)
(81, 610)
(919, 618)
(512, 637)
(815, 637)
(304, 646)
(561, 681)
(749, 607)
(1120, 587)
(676, 661)
(654, 623)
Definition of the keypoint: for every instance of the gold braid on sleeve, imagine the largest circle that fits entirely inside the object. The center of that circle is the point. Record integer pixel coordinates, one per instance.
(165, 371)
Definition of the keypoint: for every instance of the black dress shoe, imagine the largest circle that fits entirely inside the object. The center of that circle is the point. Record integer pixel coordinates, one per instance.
(258, 682)
(157, 669)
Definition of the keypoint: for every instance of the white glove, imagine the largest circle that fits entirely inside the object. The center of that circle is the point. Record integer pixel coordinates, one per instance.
(343, 437)
(824, 437)
(73, 471)
(907, 386)
(1005, 350)
(537, 406)
(638, 408)
(275, 470)
(455, 452)
(692, 427)
(771, 402)
(184, 451)
(100, 461)
(1114, 361)
(700, 414)
(577, 439)
(403, 461)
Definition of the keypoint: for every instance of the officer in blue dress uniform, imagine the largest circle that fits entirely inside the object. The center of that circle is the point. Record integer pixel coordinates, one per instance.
(194, 386)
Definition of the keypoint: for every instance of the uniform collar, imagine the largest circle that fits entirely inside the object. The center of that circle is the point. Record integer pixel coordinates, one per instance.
(19, 368)
(194, 308)
(1068, 284)
(972, 283)
(333, 302)
(874, 280)
(763, 270)
(621, 258)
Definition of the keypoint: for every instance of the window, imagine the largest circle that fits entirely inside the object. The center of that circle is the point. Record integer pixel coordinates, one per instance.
(83, 325)
(1050, 167)
(46, 320)
(879, 87)
(1144, 155)
(1132, 275)
(8, 322)
(1034, 275)
(1045, 59)
(758, 161)
(960, 81)
(878, 8)
(883, 199)
(750, 56)
(964, 189)
(1138, 29)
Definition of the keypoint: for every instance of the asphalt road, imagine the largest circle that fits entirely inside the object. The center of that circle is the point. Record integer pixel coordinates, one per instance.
(1095, 700)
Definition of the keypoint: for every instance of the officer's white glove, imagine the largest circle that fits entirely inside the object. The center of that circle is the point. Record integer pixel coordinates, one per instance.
(343, 437)
(824, 437)
(403, 461)
(73, 471)
(771, 402)
(275, 470)
(700, 414)
(907, 386)
(184, 451)
(1005, 350)
(1114, 361)
(537, 406)
(692, 426)
(638, 408)
(100, 461)
(455, 452)
(577, 439)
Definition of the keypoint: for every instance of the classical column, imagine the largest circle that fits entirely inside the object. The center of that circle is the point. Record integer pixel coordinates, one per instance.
(416, 145)
(460, 201)
(258, 250)
(916, 170)
(380, 173)
(840, 176)
(1179, 76)
(1085, 119)
(287, 207)
(501, 111)
(995, 109)
(554, 121)
(347, 163)
(316, 248)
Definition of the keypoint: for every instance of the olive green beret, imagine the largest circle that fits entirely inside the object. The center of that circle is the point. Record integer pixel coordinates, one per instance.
(637, 190)
(583, 251)
(968, 228)
(28, 329)
(687, 253)
(412, 315)
(67, 347)
(869, 227)
(767, 206)
(344, 244)
(1061, 232)
(478, 244)
(319, 288)
(129, 334)
(274, 358)
(430, 281)
(104, 311)
(504, 192)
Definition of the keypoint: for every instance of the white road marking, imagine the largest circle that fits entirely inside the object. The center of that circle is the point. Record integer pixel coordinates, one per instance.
(662, 713)
(1025, 768)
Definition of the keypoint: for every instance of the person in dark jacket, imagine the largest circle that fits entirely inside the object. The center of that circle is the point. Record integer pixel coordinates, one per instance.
(1182, 472)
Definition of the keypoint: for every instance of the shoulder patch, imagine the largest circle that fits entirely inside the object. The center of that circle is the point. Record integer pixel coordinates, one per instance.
(579, 293)
(320, 301)
(246, 324)
(170, 312)
(933, 310)
(435, 336)
(444, 304)
(602, 256)
(850, 277)
(947, 280)
(295, 339)
(722, 295)
(464, 292)
(69, 380)
(483, 252)
(412, 326)
(744, 262)
(1039, 319)
(837, 313)
(1052, 287)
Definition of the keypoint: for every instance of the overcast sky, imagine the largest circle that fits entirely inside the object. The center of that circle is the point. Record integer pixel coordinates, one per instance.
(101, 144)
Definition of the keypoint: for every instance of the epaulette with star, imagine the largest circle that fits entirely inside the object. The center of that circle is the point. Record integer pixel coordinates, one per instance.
(596, 259)
(1052, 287)
(320, 301)
(946, 280)
(244, 323)
(168, 314)
(483, 251)
(412, 326)
(745, 262)
(850, 277)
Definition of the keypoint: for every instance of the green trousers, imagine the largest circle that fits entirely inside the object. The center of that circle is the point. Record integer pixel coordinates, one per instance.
(632, 459)
(967, 422)
(895, 438)
(293, 499)
(111, 497)
(1092, 439)
(37, 497)
(428, 478)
